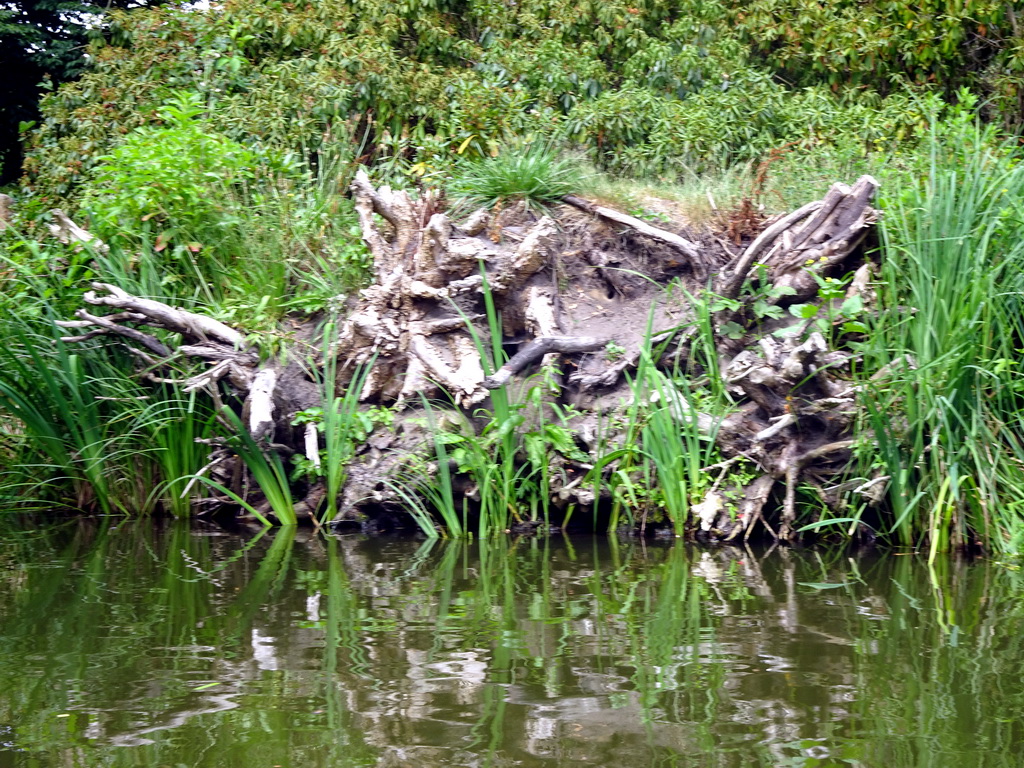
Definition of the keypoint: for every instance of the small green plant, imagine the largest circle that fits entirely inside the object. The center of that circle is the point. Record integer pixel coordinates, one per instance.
(340, 421)
(613, 351)
(832, 315)
(165, 186)
(655, 217)
(673, 443)
(533, 174)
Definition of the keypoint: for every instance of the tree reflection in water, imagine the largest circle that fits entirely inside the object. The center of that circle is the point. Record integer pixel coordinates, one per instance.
(148, 647)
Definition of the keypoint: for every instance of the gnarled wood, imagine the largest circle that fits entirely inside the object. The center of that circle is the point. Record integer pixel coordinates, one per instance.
(696, 257)
(417, 325)
(813, 240)
(438, 290)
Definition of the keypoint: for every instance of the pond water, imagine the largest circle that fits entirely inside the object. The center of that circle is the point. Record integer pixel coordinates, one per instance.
(148, 645)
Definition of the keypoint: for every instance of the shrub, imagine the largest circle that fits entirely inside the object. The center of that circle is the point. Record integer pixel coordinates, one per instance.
(642, 85)
(169, 182)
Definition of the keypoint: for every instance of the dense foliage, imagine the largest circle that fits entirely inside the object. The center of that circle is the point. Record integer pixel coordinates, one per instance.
(644, 86)
(42, 44)
(975, 43)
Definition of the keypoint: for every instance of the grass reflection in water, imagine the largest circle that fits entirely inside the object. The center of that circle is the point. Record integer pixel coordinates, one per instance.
(172, 647)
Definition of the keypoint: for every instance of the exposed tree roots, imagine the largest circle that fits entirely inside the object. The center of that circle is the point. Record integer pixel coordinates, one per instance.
(580, 295)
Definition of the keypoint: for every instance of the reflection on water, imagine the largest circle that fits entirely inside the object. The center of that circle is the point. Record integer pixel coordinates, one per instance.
(139, 647)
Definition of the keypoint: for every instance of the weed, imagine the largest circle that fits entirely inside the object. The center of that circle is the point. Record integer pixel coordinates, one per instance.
(945, 402)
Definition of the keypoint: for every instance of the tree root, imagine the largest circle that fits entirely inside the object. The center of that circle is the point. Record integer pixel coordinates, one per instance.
(439, 291)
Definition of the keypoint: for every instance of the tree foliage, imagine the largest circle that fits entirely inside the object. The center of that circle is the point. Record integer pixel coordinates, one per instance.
(948, 44)
(643, 86)
(41, 40)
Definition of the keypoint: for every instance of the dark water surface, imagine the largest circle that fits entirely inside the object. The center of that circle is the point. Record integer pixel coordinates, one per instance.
(145, 647)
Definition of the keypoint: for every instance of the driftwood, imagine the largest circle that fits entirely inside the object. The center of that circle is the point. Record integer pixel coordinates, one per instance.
(797, 409)
(419, 325)
(698, 260)
(6, 215)
(815, 239)
(202, 338)
(797, 414)
(422, 330)
(537, 349)
(65, 230)
(219, 351)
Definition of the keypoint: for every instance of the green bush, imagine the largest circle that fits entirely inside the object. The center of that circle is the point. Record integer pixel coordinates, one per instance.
(172, 183)
(645, 86)
(847, 43)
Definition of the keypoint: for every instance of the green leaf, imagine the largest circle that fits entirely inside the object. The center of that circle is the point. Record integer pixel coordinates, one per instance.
(821, 584)
(732, 329)
(763, 309)
(852, 307)
(721, 303)
(448, 438)
(805, 311)
(777, 292)
(789, 330)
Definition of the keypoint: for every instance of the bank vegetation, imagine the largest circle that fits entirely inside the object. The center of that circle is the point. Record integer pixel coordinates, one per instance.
(506, 267)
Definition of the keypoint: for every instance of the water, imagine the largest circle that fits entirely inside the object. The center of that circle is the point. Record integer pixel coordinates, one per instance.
(177, 648)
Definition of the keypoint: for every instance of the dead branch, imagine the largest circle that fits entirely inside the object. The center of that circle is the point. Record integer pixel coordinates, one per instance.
(690, 250)
(535, 350)
(65, 230)
(160, 315)
(814, 239)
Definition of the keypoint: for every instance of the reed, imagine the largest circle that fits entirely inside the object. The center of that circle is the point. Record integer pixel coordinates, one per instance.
(439, 490)
(675, 450)
(176, 453)
(73, 414)
(341, 425)
(267, 471)
(944, 399)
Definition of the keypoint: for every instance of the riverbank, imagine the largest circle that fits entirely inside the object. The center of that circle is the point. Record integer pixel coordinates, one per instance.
(512, 352)
(528, 367)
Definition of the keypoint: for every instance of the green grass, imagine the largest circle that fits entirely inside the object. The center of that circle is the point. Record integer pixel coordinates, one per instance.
(341, 425)
(177, 456)
(946, 403)
(266, 469)
(532, 173)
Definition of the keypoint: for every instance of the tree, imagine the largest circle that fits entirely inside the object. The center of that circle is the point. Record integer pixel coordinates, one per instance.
(42, 43)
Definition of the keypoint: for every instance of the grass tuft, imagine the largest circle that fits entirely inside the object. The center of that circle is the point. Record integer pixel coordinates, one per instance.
(534, 174)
